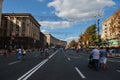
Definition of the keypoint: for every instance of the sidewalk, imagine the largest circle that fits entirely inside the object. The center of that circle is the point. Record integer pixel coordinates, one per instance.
(113, 56)
(2, 51)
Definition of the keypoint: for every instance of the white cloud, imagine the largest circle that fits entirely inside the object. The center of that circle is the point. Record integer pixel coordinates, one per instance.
(79, 10)
(56, 24)
(71, 38)
(44, 31)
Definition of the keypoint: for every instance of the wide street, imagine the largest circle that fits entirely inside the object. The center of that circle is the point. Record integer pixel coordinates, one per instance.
(61, 65)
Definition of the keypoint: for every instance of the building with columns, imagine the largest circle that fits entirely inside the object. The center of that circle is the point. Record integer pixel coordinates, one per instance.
(42, 40)
(52, 41)
(20, 30)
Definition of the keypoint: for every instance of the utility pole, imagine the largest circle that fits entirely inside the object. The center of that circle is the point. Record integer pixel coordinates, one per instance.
(98, 29)
(97, 16)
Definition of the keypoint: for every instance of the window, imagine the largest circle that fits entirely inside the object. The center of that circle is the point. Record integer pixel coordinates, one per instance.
(17, 30)
(11, 18)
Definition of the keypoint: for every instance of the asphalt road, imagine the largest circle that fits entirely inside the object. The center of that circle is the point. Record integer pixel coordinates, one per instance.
(61, 65)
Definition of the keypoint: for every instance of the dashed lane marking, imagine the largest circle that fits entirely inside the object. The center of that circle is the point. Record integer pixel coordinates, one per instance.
(80, 73)
(68, 59)
(13, 62)
(118, 70)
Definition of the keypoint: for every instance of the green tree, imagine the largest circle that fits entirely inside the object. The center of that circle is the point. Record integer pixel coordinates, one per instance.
(73, 44)
(89, 35)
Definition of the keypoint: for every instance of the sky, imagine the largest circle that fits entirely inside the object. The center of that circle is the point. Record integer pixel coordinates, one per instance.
(64, 19)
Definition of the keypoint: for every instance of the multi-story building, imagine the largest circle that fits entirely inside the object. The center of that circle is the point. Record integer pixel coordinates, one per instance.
(20, 30)
(111, 29)
(42, 40)
(52, 41)
(1, 1)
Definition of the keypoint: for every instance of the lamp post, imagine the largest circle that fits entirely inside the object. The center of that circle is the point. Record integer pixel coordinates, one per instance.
(97, 16)
(98, 29)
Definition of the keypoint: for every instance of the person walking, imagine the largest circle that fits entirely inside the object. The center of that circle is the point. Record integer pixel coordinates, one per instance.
(111, 52)
(95, 54)
(24, 54)
(115, 51)
(19, 54)
(46, 53)
(41, 52)
(103, 58)
(5, 54)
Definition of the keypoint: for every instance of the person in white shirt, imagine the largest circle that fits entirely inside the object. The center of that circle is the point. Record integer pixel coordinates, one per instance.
(19, 53)
(95, 54)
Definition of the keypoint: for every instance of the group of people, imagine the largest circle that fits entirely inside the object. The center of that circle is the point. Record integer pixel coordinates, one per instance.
(21, 54)
(113, 52)
(44, 52)
(98, 58)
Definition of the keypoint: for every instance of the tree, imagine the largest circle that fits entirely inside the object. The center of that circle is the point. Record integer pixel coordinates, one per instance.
(73, 44)
(89, 35)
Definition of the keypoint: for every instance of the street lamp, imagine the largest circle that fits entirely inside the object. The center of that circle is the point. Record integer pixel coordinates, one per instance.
(97, 16)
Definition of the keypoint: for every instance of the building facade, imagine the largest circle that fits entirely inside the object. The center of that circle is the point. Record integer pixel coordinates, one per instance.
(42, 40)
(111, 29)
(1, 1)
(20, 30)
(52, 41)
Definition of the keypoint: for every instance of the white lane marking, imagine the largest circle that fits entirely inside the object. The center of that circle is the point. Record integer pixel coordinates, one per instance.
(80, 73)
(14, 62)
(34, 69)
(29, 71)
(118, 70)
(52, 54)
(69, 59)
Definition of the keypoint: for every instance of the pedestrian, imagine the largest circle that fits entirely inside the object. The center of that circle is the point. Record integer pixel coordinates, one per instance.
(111, 52)
(78, 48)
(115, 51)
(9, 51)
(95, 54)
(41, 52)
(5, 53)
(24, 54)
(46, 53)
(19, 53)
(103, 58)
(91, 63)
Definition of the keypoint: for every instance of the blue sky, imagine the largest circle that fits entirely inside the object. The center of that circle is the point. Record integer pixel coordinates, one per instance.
(64, 19)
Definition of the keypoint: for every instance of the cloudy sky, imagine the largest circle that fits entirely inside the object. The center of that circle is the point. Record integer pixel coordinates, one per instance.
(64, 19)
